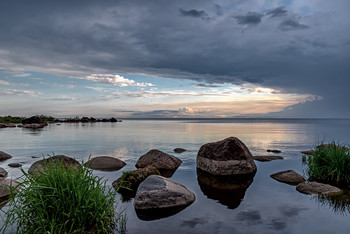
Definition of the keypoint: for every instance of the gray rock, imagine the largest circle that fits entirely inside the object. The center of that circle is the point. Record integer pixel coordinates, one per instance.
(39, 166)
(267, 158)
(3, 172)
(7, 125)
(179, 150)
(128, 183)
(318, 188)
(4, 156)
(288, 177)
(14, 165)
(105, 163)
(5, 190)
(162, 161)
(158, 195)
(226, 157)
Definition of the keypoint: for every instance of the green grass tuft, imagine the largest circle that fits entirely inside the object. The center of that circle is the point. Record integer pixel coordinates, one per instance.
(330, 163)
(63, 200)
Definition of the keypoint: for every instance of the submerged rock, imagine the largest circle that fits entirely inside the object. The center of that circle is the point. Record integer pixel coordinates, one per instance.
(267, 158)
(39, 166)
(4, 156)
(288, 177)
(105, 163)
(3, 172)
(179, 150)
(318, 188)
(5, 188)
(226, 157)
(128, 183)
(274, 151)
(158, 197)
(165, 163)
(14, 165)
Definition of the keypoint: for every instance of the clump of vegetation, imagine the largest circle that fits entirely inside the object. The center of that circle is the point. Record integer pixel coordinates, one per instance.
(46, 118)
(329, 163)
(63, 199)
(11, 119)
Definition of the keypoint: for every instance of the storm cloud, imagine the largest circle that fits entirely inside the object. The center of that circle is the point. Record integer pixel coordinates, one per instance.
(164, 39)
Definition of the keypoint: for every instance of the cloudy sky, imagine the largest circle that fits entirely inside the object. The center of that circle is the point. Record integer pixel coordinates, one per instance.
(136, 58)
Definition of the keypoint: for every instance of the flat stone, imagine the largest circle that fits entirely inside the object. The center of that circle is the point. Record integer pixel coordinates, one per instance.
(288, 177)
(158, 159)
(7, 125)
(128, 183)
(105, 163)
(179, 150)
(14, 164)
(274, 151)
(318, 188)
(39, 166)
(3, 172)
(226, 157)
(158, 197)
(267, 158)
(4, 156)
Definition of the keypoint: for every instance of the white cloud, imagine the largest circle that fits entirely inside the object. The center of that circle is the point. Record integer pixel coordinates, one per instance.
(116, 80)
(8, 92)
(2, 82)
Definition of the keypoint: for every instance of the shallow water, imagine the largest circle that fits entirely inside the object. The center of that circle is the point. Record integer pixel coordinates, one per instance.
(261, 206)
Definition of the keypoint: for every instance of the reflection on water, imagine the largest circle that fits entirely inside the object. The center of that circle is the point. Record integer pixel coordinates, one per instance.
(340, 204)
(228, 190)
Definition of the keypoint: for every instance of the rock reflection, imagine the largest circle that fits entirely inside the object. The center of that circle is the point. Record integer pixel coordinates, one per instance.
(340, 204)
(228, 190)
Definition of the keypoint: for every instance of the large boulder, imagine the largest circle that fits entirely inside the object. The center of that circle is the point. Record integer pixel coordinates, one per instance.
(4, 156)
(105, 163)
(33, 122)
(165, 163)
(226, 157)
(288, 177)
(128, 183)
(159, 197)
(40, 165)
(318, 188)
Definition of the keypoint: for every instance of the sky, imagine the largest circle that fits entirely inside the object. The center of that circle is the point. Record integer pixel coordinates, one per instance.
(175, 59)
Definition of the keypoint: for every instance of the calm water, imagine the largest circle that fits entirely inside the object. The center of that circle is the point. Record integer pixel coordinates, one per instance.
(264, 206)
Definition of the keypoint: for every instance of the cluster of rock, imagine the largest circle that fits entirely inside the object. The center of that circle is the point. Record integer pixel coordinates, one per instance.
(33, 122)
(88, 120)
(7, 125)
(5, 183)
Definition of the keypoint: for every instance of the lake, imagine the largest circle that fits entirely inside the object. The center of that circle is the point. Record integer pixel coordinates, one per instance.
(263, 206)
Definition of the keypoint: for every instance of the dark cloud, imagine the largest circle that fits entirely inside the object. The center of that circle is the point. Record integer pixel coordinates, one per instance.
(194, 222)
(252, 216)
(277, 12)
(291, 24)
(204, 85)
(79, 38)
(278, 224)
(251, 18)
(194, 13)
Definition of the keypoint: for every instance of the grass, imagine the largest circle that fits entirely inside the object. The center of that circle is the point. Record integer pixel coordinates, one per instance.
(329, 163)
(11, 119)
(63, 200)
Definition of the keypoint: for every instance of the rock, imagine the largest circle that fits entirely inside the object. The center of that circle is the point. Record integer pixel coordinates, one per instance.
(113, 120)
(308, 152)
(34, 120)
(128, 183)
(179, 150)
(4, 156)
(38, 166)
(3, 172)
(165, 163)
(267, 158)
(288, 177)
(14, 165)
(159, 197)
(7, 125)
(105, 163)
(226, 157)
(5, 190)
(228, 190)
(274, 151)
(318, 188)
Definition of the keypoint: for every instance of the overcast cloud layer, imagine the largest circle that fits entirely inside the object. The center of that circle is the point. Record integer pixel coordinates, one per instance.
(293, 46)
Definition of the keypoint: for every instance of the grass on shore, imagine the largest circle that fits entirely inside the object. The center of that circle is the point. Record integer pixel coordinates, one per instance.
(330, 163)
(18, 120)
(63, 200)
